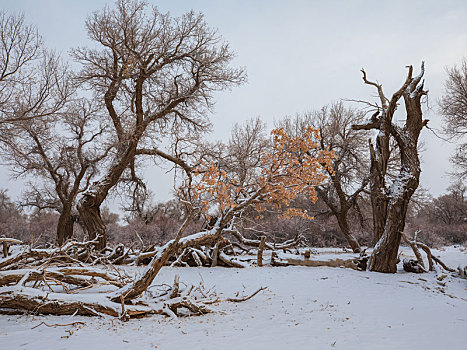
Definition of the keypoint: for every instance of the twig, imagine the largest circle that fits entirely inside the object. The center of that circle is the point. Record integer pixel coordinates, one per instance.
(58, 325)
(237, 300)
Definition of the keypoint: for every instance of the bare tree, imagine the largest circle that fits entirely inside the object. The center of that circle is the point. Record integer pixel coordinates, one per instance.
(451, 208)
(349, 176)
(34, 86)
(12, 221)
(33, 82)
(248, 143)
(454, 108)
(390, 200)
(442, 220)
(61, 153)
(20, 47)
(151, 71)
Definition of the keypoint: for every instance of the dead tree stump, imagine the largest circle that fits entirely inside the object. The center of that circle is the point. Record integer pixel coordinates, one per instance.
(260, 250)
(5, 249)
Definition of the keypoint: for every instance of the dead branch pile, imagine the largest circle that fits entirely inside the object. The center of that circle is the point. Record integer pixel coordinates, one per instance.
(66, 280)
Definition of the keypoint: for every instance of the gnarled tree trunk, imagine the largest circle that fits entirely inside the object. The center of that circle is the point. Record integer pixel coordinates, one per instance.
(64, 226)
(379, 198)
(91, 219)
(90, 203)
(390, 204)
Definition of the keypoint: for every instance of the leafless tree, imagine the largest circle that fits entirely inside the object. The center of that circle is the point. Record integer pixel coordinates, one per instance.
(349, 175)
(33, 82)
(61, 152)
(20, 48)
(390, 200)
(442, 221)
(244, 150)
(450, 208)
(12, 221)
(34, 86)
(151, 71)
(454, 108)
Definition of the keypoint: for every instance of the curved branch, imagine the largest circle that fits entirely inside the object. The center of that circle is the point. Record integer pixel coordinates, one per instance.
(379, 87)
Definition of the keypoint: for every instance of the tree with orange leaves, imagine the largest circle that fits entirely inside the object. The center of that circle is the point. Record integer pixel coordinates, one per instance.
(283, 167)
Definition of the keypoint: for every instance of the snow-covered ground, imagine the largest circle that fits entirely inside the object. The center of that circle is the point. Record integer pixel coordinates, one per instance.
(303, 308)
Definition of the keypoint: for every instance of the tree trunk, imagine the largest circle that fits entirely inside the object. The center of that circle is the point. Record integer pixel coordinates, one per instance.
(379, 157)
(64, 226)
(91, 220)
(344, 226)
(390, 204)
(340, 212)
(90, 203)
(384, 257)
(260, 250)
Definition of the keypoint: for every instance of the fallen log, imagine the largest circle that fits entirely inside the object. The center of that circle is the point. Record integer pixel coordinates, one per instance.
(347, 263)
(231, 261)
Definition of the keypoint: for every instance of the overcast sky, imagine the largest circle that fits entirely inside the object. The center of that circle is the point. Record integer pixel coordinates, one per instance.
(301, 55)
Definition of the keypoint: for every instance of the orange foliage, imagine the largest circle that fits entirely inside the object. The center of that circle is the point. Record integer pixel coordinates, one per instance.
(292, 166)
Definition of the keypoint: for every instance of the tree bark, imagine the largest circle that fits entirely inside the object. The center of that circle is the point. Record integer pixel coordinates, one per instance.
(91, 220)
(384, 257)
(344, 226)
(64, 226)
(260, 250)
(89, 205)
(390, 204)
(378, 197)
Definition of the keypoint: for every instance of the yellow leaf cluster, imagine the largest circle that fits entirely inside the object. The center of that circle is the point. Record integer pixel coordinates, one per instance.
(293, 165)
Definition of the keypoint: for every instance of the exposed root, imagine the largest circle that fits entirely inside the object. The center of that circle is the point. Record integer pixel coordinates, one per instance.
(462, 271)
(443, 265)
(430, 257)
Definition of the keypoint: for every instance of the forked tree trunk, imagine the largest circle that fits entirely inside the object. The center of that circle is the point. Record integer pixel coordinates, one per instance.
(90, 203)
(384, 257)
(390, 204)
